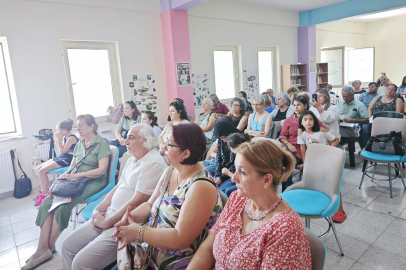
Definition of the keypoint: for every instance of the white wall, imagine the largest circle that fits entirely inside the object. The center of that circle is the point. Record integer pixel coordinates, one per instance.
(33, 30)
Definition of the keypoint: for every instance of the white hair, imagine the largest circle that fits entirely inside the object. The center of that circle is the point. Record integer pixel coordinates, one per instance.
(259, 98)
(348, 89)
(208, 100)
(151, 139)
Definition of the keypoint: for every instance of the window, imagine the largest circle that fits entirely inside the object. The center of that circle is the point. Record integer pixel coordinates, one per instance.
(93, 77)
(10, 120)
(225, 71)
(266, 68)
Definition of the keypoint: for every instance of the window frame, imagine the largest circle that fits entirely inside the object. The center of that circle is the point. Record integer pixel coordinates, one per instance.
(236, 67)
(12, 92)
(274, 67)
(115, 71)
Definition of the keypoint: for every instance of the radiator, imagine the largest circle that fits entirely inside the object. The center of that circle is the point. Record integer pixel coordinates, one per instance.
(108, 135)
(6, 172)
(43, 151)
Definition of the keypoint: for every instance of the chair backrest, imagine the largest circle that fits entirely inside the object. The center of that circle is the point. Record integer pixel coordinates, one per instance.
(112, 174)
(323, 169)
(317, 250)
(123, 161)
(190, 118)
(278, 143)
(388, 115)
(274, 130)
(386, 125)
(208, 155)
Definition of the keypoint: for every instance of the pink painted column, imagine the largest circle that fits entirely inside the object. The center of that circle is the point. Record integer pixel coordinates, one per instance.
(175, 33)
(307, 49)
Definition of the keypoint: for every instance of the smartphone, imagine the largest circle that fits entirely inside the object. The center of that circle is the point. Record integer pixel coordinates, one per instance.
(314, 96)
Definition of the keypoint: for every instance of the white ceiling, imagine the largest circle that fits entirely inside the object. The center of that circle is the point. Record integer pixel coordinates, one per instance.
(379, 15)
(296, 5)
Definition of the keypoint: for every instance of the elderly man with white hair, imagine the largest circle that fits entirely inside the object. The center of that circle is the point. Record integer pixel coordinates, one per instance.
(384, 84)
(91, 246)
(206, 120)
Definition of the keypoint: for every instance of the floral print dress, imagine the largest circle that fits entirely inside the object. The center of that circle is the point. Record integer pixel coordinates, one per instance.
(168, 216)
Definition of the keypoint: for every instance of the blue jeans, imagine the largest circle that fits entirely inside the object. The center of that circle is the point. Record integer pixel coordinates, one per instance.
(210, 166)
(227, 187)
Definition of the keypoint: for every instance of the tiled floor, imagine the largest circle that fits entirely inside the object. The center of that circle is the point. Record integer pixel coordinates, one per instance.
(373, 236)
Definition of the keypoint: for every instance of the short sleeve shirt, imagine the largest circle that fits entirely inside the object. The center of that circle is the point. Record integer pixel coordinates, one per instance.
(221, 108)
(127, 124)
(319, 137)
(355, 110)
(366, 98)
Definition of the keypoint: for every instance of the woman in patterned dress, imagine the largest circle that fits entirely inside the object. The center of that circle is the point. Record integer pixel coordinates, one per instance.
(189, 209)
(257, 229)
(389, 102)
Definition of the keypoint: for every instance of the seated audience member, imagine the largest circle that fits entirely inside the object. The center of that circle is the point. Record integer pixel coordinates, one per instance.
(270, 92)
(218, 107)
(259, 122)
(357, 87)
(237, 113)
(352, 111)
(387, 103)
(206, 120)
(292, 92)
(130, 117)
(283, 110)
(383, 85)
(327, 113)
(190, 206)
(379, 80)
(370, 95)
(329, 87)
(94, 166)
(288, 136)
(243, 95)
(402, 87)
(91, 246)
(178, 115)
(309, 133)
(175, 100)
(268, 102)
(149, 118)
(306, 96)
(66, 142)
(257, 229)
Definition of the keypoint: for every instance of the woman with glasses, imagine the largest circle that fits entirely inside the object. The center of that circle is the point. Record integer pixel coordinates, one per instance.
(206, 120)
(237, 113)
(268, 102)
(259, 122)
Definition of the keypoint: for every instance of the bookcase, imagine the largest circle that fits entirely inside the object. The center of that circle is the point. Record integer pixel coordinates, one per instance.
(321, 75)
(294, 75)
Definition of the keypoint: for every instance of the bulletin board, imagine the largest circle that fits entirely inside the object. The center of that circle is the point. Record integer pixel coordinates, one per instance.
(335, 59)
(361, 64)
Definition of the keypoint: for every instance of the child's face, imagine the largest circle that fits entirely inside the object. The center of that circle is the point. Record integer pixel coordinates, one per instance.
(308, 122)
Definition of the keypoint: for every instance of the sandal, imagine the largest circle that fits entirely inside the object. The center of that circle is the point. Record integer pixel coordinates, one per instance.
(339, 217)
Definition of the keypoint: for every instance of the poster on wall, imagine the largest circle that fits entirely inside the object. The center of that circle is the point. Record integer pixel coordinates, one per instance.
(144, 92)
(250, 83)
(201, 88)
(312, 62)
(183, 74)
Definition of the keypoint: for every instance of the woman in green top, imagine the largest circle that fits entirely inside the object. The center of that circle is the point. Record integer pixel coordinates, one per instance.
(131, 116)
(94, 166)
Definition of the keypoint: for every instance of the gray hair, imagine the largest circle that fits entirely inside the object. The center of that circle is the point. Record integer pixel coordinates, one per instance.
(284, 96)
(348, 89)
(208, 101)
(356, 81)
(383, 76)
(259, 98)
(214, 95)
(151, 139)
(243, 104)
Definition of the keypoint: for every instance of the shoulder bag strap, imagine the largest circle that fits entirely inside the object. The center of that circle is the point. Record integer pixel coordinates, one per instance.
(82, 159)
(19, 165)
(12, 162)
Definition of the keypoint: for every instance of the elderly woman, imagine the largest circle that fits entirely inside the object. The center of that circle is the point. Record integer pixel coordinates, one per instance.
(237, 113)
(206, 120)
(257, 229)
(259, 122)
(94, 166)
(357, 87)
(178, 115)
(326, 112)
(292, 92)
(190, 206)
(243, 95)
(289, 133)
(387, 103)
(130, 117)
(283, 110)
(268, 102)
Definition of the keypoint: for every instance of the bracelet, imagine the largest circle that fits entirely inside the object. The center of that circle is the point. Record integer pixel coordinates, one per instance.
(140, 235)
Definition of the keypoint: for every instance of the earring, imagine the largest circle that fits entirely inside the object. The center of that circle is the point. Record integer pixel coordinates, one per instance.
(264, 187)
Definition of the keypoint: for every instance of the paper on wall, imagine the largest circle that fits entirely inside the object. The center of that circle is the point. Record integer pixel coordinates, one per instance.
(144, 92)
(250, 83)
(201, 88)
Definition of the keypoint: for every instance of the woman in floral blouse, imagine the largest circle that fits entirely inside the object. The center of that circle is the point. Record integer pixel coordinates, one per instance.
(257, 229)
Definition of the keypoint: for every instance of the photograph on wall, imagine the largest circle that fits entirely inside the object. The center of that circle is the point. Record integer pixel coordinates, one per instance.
(144, 93)
(200, 88)
(312, 63)
(183, 74)
(250, 83)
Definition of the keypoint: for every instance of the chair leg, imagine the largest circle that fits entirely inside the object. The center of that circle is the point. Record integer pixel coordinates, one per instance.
(401, 177)
(351, 150)
(363, 174)
(390, 179)
(364, 165)
(373, 173)
(403, 164)
(336, 235)
(307, 223)
(76, 213)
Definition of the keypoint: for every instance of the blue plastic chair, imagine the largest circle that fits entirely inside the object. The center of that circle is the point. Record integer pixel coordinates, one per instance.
(108, 188)
(317, 250)
(61, 170)
(383, 125)
(318, 194)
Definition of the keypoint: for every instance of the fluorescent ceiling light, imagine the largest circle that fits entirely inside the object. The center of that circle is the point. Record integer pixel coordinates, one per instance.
(385, 14)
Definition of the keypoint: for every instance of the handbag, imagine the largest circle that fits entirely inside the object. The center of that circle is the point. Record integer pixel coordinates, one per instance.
(22, 186)
(134, 256)
(390, 144)
(67, 188)
(114, 114)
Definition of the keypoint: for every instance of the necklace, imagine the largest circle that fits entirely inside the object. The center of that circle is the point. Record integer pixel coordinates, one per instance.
(177, 181)
(265, 213)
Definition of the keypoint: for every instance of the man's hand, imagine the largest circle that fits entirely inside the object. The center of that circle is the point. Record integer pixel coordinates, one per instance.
(348, 120)
(99, 221)
(95, 214)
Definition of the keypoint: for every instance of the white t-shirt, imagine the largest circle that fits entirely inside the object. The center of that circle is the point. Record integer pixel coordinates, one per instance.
(381, 90)
(315, 137)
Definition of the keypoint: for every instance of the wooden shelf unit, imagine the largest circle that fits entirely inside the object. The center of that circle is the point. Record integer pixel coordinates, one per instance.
(321, 72)
(288, 76)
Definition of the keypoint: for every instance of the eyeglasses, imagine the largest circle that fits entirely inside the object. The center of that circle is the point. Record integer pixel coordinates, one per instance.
(236, 105)
(256, 105)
